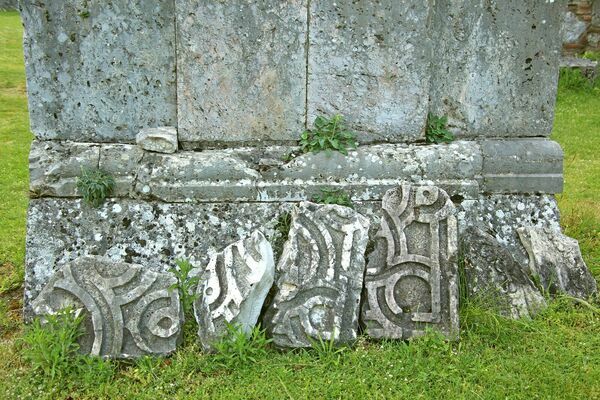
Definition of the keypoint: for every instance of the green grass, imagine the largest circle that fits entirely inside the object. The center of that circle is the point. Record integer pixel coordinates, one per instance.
(557, 355)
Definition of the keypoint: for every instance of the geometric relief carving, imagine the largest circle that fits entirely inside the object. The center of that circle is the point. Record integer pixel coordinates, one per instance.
(320, 277)
(233, 288)
(411, 278)
(128, 310)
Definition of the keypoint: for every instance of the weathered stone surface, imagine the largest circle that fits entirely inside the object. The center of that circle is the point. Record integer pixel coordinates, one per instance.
(370, 62)
(320, 277)
(233, 288)
(9, 4)
(412, 277)
(99, 71)
(129, 310)
(501, 215)
(493, 277)
(556, 260)
(463, 169)
(496, 65)
(241, 70)
(162, 139)
(522, 166)
(572, 28)
(55, 166)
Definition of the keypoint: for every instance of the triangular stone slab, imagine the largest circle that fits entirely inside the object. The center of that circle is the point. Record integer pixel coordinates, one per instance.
(320, 277)
(411, 282)
(129, 310)
(233, 288)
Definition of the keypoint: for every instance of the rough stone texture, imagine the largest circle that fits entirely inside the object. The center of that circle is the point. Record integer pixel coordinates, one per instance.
(463, 169)
(501, 215)
(233, 288)
(370, 62)
(411, 281)
(99, 71)
(242, 70)
(496, 66)
(9, 4)
(572, 28)
(493, 277)
(556, 260)
(522, 166)
(129, 310)
(320, 277)
(162, 139)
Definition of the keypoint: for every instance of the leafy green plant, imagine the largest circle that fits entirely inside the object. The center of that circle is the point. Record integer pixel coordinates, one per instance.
(328, 134)
(437, 129)
(95, 186)
(50, 346)
(238, 347)
(327, 350)
(284, 223)
(573, 79)
(186, 286)
(333, 196)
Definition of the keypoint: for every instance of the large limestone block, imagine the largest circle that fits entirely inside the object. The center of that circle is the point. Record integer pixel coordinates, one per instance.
(241, 70)
(129, 310)
(233, 288)
(97, 70)
(412, 279)
(493, 277)
(369, 61)
(556, 260)
(495, 68)
(320, 277)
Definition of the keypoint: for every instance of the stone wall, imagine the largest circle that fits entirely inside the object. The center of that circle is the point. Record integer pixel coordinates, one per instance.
(581, 27)
(9, 4)
(239, 81)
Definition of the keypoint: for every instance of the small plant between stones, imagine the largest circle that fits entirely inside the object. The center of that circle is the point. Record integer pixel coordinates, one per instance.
(327, 351)
(328, 134)
(238, 347)
(282, 228)
(334, 196)
(95, 186)
(186, 286)
(437, 129)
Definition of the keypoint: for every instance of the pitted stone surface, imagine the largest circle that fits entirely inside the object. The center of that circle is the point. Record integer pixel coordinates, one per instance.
(320, 277)
(411, 281)
(233, 288)
(501, 215)
(162, 139)
(556, 260)
(99, 71)
(463, 169)
(495, 278)
(129, 310)
(241, 70)
(496, 65)
(370, 62)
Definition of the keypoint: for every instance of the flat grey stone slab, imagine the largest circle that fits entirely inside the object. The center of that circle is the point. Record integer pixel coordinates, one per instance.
(320, 277)
(161, 140)
(128, 309)
(99, 71)
(555, 259)
(233, 288)
(411, 282)
(241, 70)
(370, 62)
(494, 279)
(495, 68)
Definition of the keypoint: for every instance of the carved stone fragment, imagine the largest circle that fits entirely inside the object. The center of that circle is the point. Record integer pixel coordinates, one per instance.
(161, 140)
(233, 288)
(321, 274)
(556, 260)
(494, 277)
(129, 310)
(411, 278)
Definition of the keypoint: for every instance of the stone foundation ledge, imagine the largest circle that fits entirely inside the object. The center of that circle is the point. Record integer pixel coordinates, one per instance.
(462, 168)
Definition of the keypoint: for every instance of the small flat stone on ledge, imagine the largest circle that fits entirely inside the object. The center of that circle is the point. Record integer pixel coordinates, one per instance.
(161, 140)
